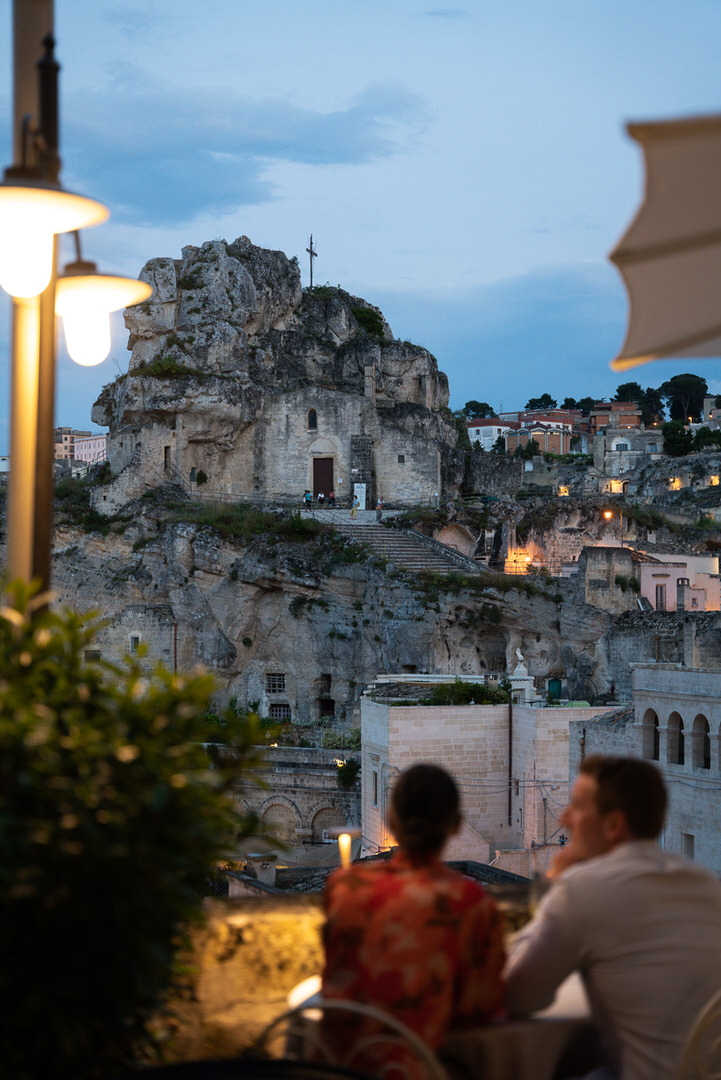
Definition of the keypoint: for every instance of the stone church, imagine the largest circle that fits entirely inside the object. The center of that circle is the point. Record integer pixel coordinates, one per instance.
(243, 383)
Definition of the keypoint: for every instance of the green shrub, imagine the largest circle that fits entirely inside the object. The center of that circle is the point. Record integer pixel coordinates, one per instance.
(165, 367)
(113, 816)
(465, 693)
(348, 773)
(369, 320)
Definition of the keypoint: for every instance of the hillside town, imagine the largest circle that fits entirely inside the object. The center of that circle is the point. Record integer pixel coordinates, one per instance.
(348, 732)
(565, 559)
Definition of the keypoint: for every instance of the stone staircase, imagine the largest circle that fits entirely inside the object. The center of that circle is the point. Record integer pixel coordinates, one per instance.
(407, 550)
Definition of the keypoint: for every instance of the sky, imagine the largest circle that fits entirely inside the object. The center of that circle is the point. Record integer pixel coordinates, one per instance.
(463, 165)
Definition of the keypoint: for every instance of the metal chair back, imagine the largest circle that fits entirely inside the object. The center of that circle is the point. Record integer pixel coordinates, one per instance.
(701, 1054)
(353, 1036)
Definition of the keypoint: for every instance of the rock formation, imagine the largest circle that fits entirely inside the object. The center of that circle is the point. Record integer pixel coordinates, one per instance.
(237, 374)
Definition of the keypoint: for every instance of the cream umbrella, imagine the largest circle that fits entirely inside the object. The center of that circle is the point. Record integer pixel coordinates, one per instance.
(670, 256)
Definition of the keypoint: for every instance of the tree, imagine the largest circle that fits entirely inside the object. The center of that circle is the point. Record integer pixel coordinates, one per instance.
(684, 395)
(499, 446)
(652, 410)
(586, 404)
(525, 453)
(676, 440)
(477, 410)
(649, 401)
(628, 391)
(545, 401)
(569, 403)
(706, 437)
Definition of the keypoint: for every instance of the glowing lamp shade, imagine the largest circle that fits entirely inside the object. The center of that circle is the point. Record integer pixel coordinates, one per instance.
(84, 302)
(30, 215)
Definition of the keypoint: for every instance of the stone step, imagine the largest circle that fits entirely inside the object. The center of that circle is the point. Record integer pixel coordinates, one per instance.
(400, 548)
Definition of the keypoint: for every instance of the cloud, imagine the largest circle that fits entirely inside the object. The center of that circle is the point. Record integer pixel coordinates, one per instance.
(165, 155)
(549, 330)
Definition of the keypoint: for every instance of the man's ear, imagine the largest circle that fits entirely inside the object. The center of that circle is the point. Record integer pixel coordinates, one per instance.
(615, 827)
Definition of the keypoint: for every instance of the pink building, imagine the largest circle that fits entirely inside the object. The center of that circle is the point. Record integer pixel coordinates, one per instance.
(90, 448)
(681, 582)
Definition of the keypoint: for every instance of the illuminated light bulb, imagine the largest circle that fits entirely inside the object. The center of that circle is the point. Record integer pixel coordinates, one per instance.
(30, 215)
(84, 300)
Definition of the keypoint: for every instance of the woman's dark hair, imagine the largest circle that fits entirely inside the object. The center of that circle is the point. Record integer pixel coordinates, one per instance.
(425, 810)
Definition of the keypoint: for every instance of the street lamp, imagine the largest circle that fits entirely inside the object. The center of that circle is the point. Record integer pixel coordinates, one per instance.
(34, 210)
(84, 300)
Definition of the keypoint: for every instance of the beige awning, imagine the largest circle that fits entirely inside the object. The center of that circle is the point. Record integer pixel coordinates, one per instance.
(670, 256)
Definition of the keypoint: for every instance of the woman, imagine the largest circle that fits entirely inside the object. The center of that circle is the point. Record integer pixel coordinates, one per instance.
(409, 935)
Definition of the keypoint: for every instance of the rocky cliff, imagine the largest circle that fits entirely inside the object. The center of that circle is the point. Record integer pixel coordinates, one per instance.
(236, 371)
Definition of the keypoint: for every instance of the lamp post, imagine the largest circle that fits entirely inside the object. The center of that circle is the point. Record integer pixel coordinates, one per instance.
(34, 210)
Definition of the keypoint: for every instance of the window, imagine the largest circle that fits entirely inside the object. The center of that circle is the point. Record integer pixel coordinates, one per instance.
(701, 743)
(375, 788)
(312, 420)
(280, 711)
(675, 747)
(650, 735)
(660, 598)
(166, 457)
(134, 644)
(92, 654)
(275, 683)
(688, 843)
(401, 459)
(621, 446)
(192, 475)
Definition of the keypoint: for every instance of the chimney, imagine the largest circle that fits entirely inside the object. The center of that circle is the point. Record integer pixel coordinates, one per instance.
(682, 593)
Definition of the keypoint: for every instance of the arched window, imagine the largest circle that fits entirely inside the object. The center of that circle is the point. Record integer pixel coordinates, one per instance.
(650, 740)
(675, 746)
(312, 420)
(701, 743)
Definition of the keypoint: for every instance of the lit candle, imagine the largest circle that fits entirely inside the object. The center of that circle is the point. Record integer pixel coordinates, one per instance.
(344, 848)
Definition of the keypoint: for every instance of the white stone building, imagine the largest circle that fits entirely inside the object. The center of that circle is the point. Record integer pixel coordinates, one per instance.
(675, 721)
(510, 763)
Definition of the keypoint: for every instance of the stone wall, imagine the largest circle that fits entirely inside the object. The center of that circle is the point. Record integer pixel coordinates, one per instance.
(299, 797)
(242, 965)
(472, 742)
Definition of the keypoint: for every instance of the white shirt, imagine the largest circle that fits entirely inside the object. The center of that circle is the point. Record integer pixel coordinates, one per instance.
(643, 927)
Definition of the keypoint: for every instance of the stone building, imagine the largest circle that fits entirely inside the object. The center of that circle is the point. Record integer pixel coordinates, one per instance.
(242, 384)
(510, 763)
(675, 721)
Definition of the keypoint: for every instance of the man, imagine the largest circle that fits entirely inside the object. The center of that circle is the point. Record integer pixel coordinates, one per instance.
(643, 927)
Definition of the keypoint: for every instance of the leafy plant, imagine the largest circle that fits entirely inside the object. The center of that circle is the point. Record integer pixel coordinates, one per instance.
(465, 693)
(114, 815)
(348, 773)
(369, 320)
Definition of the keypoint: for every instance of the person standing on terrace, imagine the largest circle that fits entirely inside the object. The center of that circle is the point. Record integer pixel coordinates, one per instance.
(410, 935)
(642, 926)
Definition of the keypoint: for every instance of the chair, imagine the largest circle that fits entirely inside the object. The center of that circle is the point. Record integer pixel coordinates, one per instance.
(701, 1054)
(245, 1069)
(353, 1036)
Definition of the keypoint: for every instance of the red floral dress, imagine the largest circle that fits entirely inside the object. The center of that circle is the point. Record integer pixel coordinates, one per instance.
(421, 942)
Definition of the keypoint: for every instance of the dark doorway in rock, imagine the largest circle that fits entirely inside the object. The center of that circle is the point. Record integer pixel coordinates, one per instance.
(322, 475)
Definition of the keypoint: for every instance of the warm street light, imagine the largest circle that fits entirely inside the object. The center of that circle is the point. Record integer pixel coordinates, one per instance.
(30, 216)
(84, 299)
(34, 210)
